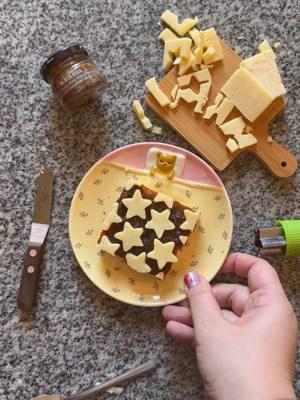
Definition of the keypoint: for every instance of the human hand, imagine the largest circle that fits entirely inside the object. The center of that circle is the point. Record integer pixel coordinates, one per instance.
(245, 337)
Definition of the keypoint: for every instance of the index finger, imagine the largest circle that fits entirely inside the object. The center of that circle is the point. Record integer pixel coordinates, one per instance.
(260, 274)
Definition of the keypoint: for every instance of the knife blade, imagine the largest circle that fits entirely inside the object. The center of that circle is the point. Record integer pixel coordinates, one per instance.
(39, 229)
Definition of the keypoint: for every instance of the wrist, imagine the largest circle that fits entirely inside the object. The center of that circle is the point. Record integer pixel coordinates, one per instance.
(260, 389)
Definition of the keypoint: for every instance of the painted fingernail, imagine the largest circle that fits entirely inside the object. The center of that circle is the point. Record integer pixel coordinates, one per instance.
(191, 279)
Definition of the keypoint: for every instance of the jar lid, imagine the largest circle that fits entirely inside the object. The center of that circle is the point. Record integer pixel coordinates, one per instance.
(60, 56)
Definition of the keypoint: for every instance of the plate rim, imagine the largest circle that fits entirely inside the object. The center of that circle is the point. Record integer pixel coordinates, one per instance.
(103, 159)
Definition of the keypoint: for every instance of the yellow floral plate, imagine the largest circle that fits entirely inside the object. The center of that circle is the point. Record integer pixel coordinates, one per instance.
(198, 187)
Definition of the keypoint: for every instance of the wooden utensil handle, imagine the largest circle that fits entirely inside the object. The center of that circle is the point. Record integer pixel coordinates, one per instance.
(30, 277)
(276, 158)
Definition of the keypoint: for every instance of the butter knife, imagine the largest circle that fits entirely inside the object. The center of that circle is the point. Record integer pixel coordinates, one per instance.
(39, 229)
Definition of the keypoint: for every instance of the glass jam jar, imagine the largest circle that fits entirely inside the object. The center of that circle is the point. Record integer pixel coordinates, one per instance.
(74, 78)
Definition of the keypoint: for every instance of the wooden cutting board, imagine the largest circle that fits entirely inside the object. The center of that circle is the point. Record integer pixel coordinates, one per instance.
(204, 134)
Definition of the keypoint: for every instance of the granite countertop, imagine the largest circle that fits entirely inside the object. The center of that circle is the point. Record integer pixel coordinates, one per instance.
(79, 335)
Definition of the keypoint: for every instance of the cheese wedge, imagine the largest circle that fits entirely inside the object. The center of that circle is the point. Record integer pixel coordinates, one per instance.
(264, 46)
(263, 68)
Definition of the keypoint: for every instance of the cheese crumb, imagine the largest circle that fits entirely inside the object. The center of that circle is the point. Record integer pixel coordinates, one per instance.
(276, 45)
(157, 130)
(270, 139)
(139, 112)
(115, 390)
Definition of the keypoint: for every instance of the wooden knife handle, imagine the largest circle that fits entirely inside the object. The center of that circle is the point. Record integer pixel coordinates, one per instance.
(30, 277)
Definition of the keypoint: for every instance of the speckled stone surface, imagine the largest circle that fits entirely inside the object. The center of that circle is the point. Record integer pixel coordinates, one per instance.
(80, 336)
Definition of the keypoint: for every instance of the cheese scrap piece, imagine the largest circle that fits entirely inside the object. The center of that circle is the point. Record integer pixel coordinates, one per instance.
(208, 55)
(236, 128)
(187, 95)
(182, 28)
(167, 34)
(201, 76)
(276, 45)
(232, 145)
(204, 66)
(180, 47)
(263, 68)
(247, 94)
(210, 39)
(197, 37)
(157, 130)
(270, 139)
(174, 91)
(186, 64)
(202, 97)
(219, 98)
(246, 140)
(222, 110)
(198, 53)
(264, 46)
(156, 92)
(184, 80)
(173, 105)
(139, 111)
(233, 127)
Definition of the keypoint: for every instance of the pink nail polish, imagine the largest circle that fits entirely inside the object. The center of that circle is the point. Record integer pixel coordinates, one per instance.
(191, 279)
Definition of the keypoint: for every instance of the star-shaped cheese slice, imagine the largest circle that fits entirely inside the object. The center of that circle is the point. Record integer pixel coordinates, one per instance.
(136, 205)
(162, 253)
(160, 222)
(166, 199)
(108, 246)
(112, 217)
(138, 263)
(190, 220)
(130, 236)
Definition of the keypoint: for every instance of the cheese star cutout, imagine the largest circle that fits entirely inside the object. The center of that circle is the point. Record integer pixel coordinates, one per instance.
(112, 217)
(190, 220)
(108, 246)
(160, 222)
(162, 253)
(130, 236)
(138, 262)
(136, 205)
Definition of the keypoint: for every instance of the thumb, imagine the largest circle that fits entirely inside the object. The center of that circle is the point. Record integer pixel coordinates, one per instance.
(206, 313)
